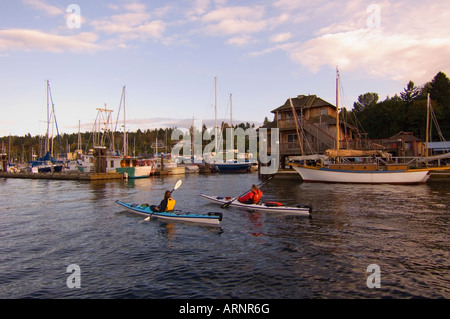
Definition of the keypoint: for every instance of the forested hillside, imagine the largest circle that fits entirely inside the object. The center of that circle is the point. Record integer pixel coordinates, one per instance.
(406, 111)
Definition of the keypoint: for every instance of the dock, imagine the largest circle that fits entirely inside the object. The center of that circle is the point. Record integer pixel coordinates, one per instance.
(290, 174)
(439, 177)
(76, 176)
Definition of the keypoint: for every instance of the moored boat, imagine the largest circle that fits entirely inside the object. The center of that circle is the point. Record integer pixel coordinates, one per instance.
(362, 176)
(271, 207)
(135, 168)
(232, 167)
(211, 218)
(362, 166)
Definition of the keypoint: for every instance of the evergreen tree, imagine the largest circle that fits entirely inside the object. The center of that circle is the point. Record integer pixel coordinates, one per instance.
(365, 101)
(410, 93)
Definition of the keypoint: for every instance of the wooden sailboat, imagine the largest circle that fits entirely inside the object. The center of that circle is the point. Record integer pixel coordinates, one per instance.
(355, 166)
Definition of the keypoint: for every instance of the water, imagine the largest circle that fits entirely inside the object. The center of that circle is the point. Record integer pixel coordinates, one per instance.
(45, 226)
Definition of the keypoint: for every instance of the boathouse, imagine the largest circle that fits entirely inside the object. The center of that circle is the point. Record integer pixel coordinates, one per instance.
(314, 120)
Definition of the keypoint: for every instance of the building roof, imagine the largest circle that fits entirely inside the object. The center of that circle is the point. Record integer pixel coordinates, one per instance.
(439, 146)
(406, 136)
(305, 102)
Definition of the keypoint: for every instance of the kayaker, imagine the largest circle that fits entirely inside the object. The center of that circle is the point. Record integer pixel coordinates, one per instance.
(251, 197)
(166, 205)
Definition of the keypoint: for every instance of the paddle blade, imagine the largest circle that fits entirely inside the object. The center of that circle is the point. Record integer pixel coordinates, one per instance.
(147, 219)
(227, 203)
(178, 184)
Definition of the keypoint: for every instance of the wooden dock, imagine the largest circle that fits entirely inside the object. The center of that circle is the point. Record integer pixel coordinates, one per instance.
(288, 174)
(439, 177)
(76, 176)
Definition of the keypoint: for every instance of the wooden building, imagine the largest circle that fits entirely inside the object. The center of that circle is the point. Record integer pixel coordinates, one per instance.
(316, 126)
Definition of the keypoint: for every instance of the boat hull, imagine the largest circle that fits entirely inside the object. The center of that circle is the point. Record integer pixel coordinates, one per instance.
(303, 210)
(324, 175)
(136, 172)
(227, 168)
(209, 218)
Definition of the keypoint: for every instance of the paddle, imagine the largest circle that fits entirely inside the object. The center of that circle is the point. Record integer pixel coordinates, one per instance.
(177, 185)
(259, 185)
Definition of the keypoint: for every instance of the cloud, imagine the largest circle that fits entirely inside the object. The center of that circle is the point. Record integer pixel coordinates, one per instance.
(281, 37)
(44, 7)
(234, 20)
(411, 41)
(28, 40)
(135, 23)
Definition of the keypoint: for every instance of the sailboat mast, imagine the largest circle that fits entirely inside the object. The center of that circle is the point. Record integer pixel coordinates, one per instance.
(299, 137)
(125, 146)
(215, 112)
(47, 140)
(428, 125)
(337, 110)
(231, 110)
(79, 135)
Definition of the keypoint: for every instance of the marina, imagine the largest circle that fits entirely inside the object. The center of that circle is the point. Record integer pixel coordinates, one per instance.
(241, 154)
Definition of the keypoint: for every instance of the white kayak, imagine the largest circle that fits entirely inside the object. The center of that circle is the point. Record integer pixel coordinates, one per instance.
(272, 207)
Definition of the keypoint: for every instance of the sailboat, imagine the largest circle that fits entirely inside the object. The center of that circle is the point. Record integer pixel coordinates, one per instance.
(233, 165)
(132, 167)
(358, 166)
(47, 164)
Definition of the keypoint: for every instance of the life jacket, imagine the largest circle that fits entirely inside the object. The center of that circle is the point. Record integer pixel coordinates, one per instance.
(251, 197)
(256, 196)
(170, 204)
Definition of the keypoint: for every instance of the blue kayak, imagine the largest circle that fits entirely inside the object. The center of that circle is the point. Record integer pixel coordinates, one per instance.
(144, 210)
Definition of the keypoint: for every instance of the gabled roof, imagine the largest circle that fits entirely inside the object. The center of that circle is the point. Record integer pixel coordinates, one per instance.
(407, 136)
(305, 102)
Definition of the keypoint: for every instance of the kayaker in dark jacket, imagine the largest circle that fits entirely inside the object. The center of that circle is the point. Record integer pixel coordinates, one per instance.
(251, 197)
(166, 205)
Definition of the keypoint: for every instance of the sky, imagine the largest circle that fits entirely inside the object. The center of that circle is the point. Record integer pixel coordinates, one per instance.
(168, 54)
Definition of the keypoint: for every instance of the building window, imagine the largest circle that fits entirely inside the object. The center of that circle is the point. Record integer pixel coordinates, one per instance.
(323, 112)
(292, 138)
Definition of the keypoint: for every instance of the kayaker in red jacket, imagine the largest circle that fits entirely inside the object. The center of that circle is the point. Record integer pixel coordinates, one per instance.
(251, 197)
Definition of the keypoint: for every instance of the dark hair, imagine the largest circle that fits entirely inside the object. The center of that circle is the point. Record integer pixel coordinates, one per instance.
(167, 194)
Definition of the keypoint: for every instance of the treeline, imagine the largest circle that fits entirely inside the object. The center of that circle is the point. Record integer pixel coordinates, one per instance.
(406, 111)
(140, 143)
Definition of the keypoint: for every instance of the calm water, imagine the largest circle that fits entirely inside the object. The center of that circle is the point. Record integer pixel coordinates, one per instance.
(46, 226)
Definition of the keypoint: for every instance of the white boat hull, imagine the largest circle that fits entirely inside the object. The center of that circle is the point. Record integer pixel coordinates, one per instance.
(313, 174)
(303, 210)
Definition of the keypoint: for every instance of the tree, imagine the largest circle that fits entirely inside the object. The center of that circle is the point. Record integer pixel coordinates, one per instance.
(410, 93)
(365, 101)
(440, 89)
